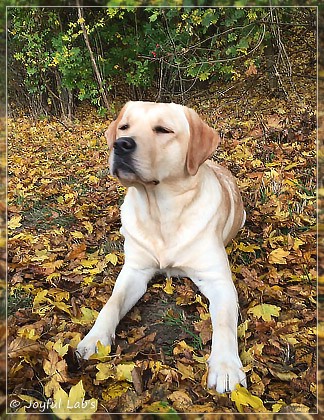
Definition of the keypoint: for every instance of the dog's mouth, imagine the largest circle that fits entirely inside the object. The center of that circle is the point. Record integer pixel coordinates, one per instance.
(128, 176)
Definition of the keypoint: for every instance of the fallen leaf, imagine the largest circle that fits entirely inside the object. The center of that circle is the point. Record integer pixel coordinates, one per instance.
(168, 288)
(265, 311)
(159, 407)
(102, 353)
(278, 256)
(124, 372)
(105, 371)
(186, 371)
(22, 347)
(72, 405)
(14, 222)
(115, 390)
(241, 397)
(181, 400)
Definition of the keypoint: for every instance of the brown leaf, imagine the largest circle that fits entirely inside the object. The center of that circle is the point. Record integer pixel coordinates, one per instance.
(251, 70)
(17, 278)
(181, 400)
(204, 328)
(78, 251)
(135, 334)
(22, 347)
(186, 371)
(137, 379)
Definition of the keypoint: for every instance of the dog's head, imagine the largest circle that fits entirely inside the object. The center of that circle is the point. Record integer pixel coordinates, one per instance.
(153, 142)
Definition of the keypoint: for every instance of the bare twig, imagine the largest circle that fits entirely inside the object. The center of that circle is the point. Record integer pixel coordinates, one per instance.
(93, 60)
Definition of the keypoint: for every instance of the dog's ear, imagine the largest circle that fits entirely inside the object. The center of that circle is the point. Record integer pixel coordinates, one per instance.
(202, 142)
(111, 132)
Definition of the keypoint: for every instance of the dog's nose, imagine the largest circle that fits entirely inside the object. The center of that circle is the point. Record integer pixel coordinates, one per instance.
(124, 145)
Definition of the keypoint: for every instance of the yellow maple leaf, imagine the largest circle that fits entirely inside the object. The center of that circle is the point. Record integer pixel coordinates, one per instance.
(111, 258)
(59, 295)
(53, 365)
(168, 288)
(56, 370)
(265, 311)
(77, 235)
(115, 390)
(68, 196)
(63, 307)
(87, 316)
(88, 226)
(297, 243)
(40, 255)
(200, 359)
(27, 332)
(52, 276)
(124, 372)
(185, 370)
(278, 256)
(93, 179)
(88, 280)
(75, 338)
(105, 371)
(241, 397)
(102, 353)
(181, 346)
(247, 248)
(51, 386)
(41, 298)
(89, 263)
(74, 404)
(59, 348)
(199, 300)
(278, 406)
(242, 328)
(14, 222)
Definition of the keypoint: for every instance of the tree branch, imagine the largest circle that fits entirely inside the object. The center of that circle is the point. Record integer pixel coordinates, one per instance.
(92, 58)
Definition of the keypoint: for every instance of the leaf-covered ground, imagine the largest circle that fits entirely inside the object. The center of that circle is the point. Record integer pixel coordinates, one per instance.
(65, 252)
(3, 265)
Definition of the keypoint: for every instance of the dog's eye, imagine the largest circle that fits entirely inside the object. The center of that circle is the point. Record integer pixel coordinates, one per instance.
(124, 127)
(163, 130)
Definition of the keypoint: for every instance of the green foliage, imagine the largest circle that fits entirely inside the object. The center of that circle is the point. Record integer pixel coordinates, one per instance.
(167, 50)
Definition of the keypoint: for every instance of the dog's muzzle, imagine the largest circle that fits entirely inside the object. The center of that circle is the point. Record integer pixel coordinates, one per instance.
(124, 148)
(123, 162)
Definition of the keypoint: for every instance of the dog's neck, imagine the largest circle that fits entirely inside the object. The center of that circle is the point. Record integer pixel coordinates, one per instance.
(169, 199)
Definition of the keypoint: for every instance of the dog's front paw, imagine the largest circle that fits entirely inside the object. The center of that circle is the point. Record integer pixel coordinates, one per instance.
(224, 375)
(88, 345)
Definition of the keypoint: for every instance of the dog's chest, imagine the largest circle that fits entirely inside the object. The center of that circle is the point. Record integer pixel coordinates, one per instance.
(167, 239)
(163, 245)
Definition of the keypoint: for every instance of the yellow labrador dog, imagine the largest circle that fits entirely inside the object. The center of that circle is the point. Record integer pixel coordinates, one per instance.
(179, 213)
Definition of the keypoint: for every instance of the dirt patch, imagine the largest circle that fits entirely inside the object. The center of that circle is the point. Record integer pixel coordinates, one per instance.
(160, 314)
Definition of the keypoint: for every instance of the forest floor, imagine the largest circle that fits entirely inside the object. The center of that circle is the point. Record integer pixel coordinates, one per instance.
(65, 251)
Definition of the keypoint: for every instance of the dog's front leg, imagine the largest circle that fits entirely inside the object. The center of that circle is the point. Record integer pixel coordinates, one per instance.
(225, 366)
(130, 286)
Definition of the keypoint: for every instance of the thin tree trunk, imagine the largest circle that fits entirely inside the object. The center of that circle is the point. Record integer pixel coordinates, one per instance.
(93, 61)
